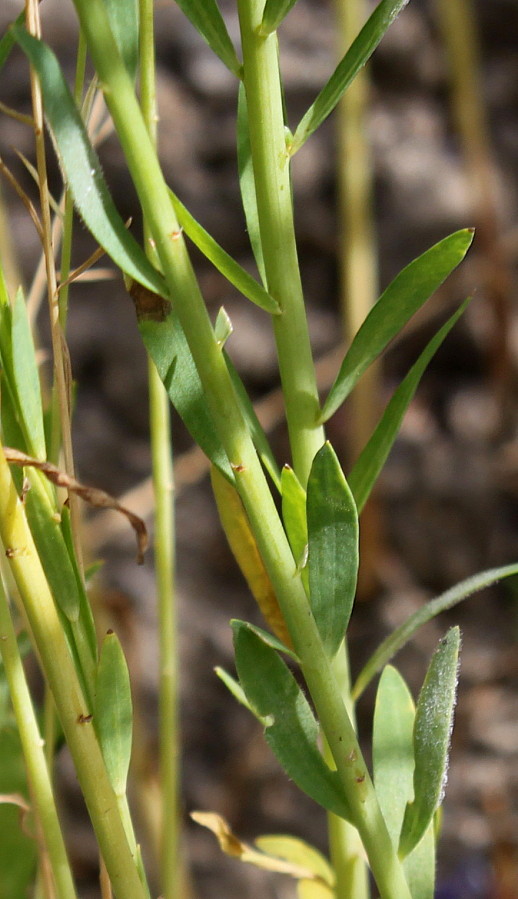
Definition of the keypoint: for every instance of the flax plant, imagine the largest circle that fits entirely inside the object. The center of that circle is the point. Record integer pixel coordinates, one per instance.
(301, 562)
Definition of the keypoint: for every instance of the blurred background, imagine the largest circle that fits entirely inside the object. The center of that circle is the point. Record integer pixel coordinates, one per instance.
(431, 138)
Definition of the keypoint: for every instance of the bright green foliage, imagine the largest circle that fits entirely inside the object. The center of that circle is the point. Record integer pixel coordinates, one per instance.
(52, 549)
(124, 21)
(398, 303)
(432, 731)
(358, 54)
(274, 12)
(372, 458)
(207, 19)
(294, 518)
(393, 764)
(224, 263)
(247, 183)
(169, 350)
(442, 603)
(333, 547)
(22, 418)
(292, 731)
(113, 713)
(82, 169)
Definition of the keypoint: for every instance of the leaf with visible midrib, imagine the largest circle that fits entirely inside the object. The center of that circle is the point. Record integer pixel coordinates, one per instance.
(291, 731)
(332, 547)
(357, 55)
(398, 303)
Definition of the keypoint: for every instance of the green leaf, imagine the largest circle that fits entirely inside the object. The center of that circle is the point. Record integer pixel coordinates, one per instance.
(388, 649)
(333, 547)
(124, 21)
(232, 271)
(7, 42)
(247, 183)
(294, 518)
(52, 549)
(257, 433)
(166, 344)
(357, 55)
(113, 713)
(432, 732)
(274, 12)
(397, 304)
(208, 21)
(26, 380)
(393, 768)
(392, 749)
(82, 169)
(372, 458)
(85, 619)
(274, 694)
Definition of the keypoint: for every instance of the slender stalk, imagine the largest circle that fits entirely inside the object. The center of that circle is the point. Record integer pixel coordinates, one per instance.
(34, 755)
(164, 543)
(71, 705)
(233, 434)
(62, 434)
(275, 210)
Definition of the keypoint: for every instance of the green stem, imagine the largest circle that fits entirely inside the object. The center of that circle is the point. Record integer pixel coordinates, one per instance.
(164, 544)
(275, 211)
(347, 856)
(71, 705)
(35, 762)
(236, 440)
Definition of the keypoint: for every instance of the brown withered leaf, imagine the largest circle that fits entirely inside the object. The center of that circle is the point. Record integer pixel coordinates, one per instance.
(91, 495)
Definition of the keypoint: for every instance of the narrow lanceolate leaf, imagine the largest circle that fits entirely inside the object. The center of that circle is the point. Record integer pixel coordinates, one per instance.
(374, 455)
(393, 764)
(244, 547)
(432, 732)
(124, 21)
(400, 637)
(113, 712)
(51, 546)
(26, 380)
(294, 518)
(356, 57)
(274, 12)
(332, 547)
(208, 21)
(7, 42)
(167, 346)
(395, 307)
(247, 183)
(293, 731)
(82, 170)
(229, 268)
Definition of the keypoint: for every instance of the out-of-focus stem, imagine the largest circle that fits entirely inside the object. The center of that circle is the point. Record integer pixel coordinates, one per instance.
(164, 544)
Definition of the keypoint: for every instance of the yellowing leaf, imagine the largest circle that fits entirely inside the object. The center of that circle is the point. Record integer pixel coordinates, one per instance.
(232, 845)
(242, 543)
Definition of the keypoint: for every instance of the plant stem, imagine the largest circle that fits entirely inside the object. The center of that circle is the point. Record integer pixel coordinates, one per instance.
(236, 440)
(34, 755)
(50, 642)
(164, 543)
(271, 167)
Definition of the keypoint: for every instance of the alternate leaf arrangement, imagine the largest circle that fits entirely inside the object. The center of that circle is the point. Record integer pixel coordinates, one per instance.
(302, 563)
